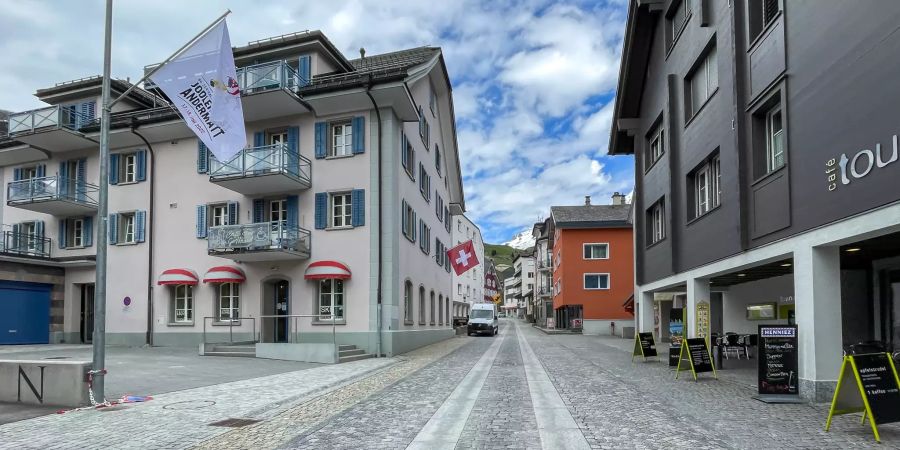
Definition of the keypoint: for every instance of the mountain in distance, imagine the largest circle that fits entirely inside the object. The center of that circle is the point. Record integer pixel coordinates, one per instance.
(521, 241)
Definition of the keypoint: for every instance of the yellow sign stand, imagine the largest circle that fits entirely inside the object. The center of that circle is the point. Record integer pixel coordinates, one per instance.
(850, 400)
(639, 348)
(706, 366)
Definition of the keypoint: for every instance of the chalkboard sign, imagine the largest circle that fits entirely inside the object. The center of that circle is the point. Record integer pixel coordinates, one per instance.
(647, 345)
(868, 383)
(778, 360)
(674, 356)
(697, 356)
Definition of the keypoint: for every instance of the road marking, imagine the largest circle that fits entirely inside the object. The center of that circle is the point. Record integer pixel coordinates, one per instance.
(446, 425)
(555, 424)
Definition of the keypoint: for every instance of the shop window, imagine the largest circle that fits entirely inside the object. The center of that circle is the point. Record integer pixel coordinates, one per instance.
(331, 300)
(229, 302)
(181, 309)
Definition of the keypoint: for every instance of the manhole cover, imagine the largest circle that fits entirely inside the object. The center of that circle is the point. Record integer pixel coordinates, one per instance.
(234, 423)
(58, 357)
(190, 405)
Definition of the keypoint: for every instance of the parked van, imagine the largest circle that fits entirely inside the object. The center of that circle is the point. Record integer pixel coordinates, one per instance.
(483, 319)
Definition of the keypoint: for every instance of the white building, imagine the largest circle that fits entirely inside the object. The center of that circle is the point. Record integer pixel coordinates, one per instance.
(511, 290)
(468, 287)
(341, 207)
(524, 279)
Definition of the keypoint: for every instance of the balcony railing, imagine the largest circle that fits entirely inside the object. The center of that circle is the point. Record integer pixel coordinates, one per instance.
(276, 158)
(24, 244)
(263, 236)
(53, 117)
(268, 76)
(52, 188)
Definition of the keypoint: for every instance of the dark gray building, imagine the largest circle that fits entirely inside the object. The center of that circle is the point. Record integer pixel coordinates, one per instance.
(765, 136)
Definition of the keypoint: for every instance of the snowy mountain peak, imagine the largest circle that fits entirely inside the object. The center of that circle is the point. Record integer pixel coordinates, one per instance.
(522, 241)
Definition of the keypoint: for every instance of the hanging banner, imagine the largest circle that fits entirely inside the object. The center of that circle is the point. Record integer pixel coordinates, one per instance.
(869, 384)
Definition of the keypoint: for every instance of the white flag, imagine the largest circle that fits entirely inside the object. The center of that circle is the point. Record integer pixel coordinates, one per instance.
(202, 84)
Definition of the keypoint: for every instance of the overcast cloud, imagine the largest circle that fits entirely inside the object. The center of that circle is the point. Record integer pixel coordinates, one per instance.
(533, 79)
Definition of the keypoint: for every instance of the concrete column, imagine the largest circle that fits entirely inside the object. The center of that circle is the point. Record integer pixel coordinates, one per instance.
(817, 296)
(697, 292)
(644, 302)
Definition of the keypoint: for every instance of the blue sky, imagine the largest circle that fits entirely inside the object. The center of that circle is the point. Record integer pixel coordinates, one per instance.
(533, 80)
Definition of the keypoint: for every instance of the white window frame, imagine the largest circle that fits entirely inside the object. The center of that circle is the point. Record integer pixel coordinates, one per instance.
(771, 136)
(331, 300)
(657, 147)
(127, 231)
(345, 217)
(75, 233)
(708, 68)
(277, 211)
(233, 298)
(410, 167)
(183, 302)
(598, 288)
(409, 222)
(128, 169)
(344, 131)
(707, 192)
(657, 223)
(585, 246)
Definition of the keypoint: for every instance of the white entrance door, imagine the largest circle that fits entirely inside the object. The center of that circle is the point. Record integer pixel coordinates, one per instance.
(278, 219)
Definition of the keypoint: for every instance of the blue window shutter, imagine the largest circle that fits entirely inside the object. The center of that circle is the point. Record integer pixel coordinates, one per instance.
(293, 211)
(113, 228)
(233, 213)
(202, 157)
(141, 165)
(404, 156)
(61, 184)
(41, 170)
(201, 221)
(259, 210)
(358, 208)
(114, 169)
(321, 139)
(293, 157)
(359, 134)
(17, 174)
(140, 219)
(304, 70)
(61, 236)
(88, 231)
(81, 179)
(259, 139)
(321, 210)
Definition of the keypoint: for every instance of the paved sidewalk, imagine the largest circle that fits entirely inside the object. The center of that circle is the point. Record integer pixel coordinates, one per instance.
(181, 419)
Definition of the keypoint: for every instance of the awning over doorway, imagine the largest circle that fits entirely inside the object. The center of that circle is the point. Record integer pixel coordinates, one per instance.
(629, 305)
(323, 270)
(174, 277)
(224, 274)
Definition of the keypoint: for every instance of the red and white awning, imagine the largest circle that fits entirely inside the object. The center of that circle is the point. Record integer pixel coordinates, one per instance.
(323, 270)
(224, 274)
(174, 277)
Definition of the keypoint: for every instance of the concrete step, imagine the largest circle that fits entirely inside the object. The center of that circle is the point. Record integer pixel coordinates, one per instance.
(358, 351)
(235, 348)
(234, 354)
(343, 347)
(354, 358)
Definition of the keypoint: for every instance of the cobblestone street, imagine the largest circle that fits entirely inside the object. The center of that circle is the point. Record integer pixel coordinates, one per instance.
(520, 389)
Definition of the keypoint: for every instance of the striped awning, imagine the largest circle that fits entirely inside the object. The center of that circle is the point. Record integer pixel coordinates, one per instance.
(224, 274)
(173, 277)
(323, 270)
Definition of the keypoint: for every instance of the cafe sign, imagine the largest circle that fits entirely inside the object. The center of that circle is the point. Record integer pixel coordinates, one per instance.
(841, 171)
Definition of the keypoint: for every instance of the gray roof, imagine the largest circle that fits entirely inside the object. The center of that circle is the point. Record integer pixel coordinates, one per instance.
(379, 68)
(591, 216)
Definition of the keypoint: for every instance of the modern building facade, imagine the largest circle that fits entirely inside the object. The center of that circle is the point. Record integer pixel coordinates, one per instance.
(468, 287)
(765, 169)
(593, 266)
(340, 207)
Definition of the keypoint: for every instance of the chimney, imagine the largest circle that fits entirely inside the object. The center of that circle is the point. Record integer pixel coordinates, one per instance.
(618, 199)
(362, 52)
(587, 200)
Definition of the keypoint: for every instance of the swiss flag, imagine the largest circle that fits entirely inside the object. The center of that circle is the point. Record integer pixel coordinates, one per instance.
(462, 257)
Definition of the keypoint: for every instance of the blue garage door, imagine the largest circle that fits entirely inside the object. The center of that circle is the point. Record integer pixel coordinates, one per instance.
(24, 313)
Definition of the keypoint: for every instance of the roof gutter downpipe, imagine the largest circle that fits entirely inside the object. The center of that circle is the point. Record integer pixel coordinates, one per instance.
(151, 242)
(378, 291)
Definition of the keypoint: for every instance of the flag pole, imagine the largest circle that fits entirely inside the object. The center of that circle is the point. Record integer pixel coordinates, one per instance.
(172, 56)
(99, 338)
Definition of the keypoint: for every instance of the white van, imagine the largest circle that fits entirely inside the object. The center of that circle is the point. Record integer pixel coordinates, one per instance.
(483, 319)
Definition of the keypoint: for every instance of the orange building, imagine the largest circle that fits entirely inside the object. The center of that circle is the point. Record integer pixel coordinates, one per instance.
(593, 266)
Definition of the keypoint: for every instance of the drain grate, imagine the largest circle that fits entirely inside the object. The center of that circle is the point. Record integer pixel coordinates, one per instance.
(234, 423)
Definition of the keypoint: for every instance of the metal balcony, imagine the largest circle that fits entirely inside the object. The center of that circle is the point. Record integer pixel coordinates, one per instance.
(264, 241)
(545, 265)
(270, 90)
(270, 169)
(20, 244)
(54, 129)
(58, 196)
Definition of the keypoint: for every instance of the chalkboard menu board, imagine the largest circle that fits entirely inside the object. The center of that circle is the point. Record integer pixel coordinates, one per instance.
(699, 354)
(674, 354)
(778, 360)
(879, 384)
(648, 345)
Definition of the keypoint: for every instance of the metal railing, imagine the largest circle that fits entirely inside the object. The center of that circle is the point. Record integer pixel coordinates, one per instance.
(544, 264)
(275, 158)
(58, 116)
(268, 76)
(230, 323)
(258, 237)
(293, 327)
(24, 244)
(52, 188)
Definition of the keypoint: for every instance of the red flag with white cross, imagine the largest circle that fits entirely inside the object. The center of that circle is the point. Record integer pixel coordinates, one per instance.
(462, 257)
